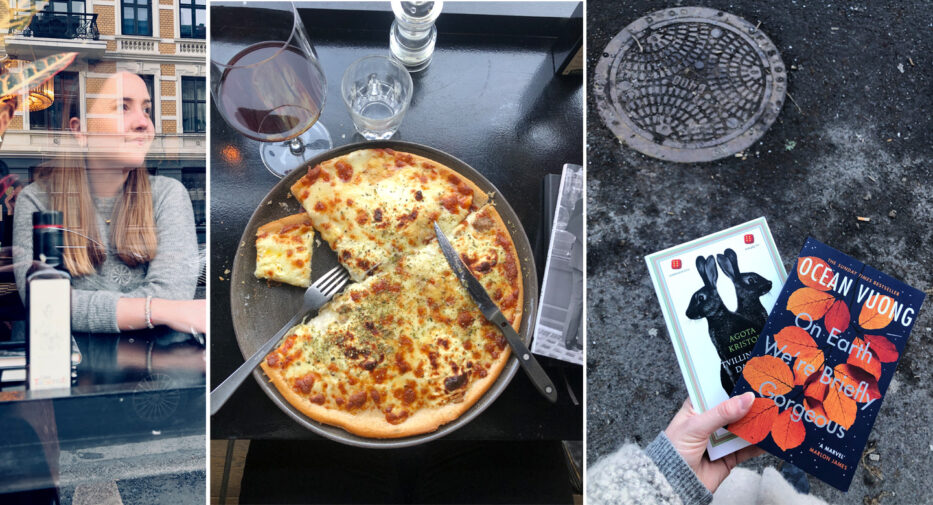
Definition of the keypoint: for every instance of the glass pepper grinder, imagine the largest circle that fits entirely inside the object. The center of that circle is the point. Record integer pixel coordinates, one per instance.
(413, 33)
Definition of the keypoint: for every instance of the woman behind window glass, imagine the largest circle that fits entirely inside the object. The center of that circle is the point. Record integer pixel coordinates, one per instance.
(130, 242)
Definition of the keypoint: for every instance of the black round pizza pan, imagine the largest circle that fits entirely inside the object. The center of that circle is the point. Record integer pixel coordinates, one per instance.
(259, 310)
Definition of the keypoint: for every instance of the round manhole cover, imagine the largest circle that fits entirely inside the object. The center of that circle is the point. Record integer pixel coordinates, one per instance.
(689, 84)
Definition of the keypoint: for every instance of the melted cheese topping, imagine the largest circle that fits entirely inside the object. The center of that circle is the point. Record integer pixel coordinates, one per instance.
(374, 205)
(283, 250)
(409, 336)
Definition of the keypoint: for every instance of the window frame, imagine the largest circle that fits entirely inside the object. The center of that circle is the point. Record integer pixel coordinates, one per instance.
(193, 6)
(136, 5)
(69, 3)
(59, 102)
(149, 80)
(200, 104)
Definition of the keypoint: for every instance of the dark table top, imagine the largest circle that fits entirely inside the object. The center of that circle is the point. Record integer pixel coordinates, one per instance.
(490, 98)
(42, 431)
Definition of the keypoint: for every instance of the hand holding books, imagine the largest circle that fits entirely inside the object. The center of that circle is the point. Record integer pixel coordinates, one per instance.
(715, 320)
(689, 432)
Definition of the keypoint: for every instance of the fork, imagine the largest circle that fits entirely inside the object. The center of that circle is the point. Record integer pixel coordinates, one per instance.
(315, 296)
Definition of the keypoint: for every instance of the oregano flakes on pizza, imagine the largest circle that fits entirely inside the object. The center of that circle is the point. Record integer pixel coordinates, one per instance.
(405, 349)
(372, 205)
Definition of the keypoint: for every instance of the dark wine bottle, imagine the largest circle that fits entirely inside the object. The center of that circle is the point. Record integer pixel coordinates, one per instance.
(48, 307)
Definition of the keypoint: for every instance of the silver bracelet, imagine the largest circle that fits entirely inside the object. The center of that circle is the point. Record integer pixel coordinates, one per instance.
(149, 313)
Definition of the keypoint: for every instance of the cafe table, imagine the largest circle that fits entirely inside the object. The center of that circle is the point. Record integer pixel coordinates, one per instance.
(491, 97)
(110, 426)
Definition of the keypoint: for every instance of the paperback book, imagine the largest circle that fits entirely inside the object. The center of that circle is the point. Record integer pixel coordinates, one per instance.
(715, 293)
(824, 362)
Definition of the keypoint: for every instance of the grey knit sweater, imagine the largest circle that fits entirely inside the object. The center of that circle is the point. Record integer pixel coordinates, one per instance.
(172, 274)
(660, 476)
(657, 475)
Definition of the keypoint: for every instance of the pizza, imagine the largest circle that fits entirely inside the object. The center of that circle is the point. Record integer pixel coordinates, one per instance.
(283, 250)
(406, 349)
(374, 205)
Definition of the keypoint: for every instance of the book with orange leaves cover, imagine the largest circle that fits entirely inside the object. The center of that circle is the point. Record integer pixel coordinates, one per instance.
(824, 361)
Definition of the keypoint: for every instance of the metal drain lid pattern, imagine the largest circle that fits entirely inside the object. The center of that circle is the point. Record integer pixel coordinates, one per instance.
(689, 84)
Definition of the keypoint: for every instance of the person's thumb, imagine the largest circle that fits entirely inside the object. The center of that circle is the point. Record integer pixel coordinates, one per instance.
(726, 412)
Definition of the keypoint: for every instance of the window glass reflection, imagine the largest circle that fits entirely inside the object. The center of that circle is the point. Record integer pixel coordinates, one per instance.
(192, 10)
(103, 143)
(66, 94)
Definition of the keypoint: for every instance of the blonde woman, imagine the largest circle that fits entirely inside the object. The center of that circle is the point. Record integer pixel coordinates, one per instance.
(130, 242)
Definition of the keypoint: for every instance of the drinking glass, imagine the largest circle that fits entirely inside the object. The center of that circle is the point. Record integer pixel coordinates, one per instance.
(377, 91)
(267, 83)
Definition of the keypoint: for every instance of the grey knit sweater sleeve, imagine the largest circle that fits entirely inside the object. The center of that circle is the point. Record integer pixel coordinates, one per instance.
(657, 475)
(85, 306)
(172, 274)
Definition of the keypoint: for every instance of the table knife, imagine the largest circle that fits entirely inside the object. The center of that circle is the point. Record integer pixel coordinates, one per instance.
(492, 313)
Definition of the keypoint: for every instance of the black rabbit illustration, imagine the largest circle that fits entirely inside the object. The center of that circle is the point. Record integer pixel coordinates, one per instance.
(749, 288)
(722, 323)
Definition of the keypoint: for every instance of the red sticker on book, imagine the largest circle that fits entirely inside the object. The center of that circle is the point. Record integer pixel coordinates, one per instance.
(676, 264)
(749, 239)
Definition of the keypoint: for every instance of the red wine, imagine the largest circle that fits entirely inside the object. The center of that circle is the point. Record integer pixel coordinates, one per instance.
(270, 93)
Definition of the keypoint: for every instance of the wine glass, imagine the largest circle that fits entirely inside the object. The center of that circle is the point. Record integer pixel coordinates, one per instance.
(267, 83)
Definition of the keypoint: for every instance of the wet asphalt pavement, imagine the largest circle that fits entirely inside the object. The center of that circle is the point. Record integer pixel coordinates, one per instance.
(855, 141)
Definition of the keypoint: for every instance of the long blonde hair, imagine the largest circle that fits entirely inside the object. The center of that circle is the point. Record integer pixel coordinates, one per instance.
(132, 228)
(132, 224)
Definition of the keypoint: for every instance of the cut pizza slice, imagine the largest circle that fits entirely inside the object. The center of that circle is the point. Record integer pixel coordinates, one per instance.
(373, 205)
(406, 350)
(283, 250)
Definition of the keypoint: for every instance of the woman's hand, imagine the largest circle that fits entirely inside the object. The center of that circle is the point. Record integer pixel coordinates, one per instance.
(689, 432)
(185, 316)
